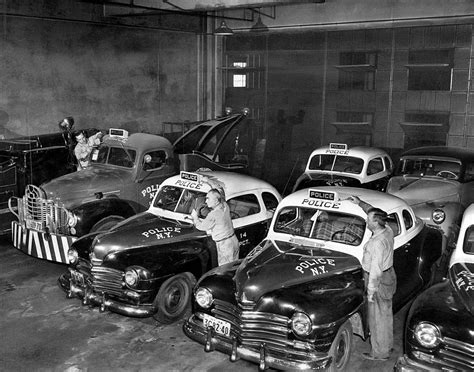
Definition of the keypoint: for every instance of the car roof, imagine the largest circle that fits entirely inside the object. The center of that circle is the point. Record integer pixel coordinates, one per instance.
(142, 141)
(234, 182)
(461, 153)
(363, 152)
(377, 199)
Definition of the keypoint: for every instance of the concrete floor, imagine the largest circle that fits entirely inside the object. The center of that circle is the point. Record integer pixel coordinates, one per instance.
(41, 330)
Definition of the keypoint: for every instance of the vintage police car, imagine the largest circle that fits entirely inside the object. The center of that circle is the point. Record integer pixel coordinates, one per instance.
(296, 299)
(148, 264)
(124, 175)
(438, 183)
(439, 332)
(338, 165)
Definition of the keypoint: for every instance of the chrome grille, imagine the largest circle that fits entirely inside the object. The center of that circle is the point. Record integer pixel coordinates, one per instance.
(107, 280)
(252, 328)
(35, 207)
(457, 353)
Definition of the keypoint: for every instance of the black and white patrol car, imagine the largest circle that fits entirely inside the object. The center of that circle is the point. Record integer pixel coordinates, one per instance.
(148, 264)
(295, 301)
(339, 165)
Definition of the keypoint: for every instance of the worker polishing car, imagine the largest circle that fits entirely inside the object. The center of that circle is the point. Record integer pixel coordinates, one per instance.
(296, 299)
(339, 165)
(439, 331)
(147, 265)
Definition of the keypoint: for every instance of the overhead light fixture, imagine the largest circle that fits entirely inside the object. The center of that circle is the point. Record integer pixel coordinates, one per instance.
(223, 30)
(259, 26)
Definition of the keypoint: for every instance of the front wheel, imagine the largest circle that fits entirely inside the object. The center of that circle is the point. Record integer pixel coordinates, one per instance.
(341, 348)
(173, 300)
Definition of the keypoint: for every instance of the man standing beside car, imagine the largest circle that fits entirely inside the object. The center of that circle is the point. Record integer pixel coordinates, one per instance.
(380, 281)
(219, 223)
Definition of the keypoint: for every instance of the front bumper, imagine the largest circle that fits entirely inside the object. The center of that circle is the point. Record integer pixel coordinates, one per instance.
(406, 364)
(51, 247)
(89, 297)
(264, 356)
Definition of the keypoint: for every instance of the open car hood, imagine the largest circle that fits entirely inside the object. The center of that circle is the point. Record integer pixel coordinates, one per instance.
(288, 265)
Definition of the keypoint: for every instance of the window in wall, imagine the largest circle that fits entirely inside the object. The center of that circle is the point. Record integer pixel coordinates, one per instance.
(354, 127)
(243, 71)
(357, 70)
(418, 124)
(430, 69)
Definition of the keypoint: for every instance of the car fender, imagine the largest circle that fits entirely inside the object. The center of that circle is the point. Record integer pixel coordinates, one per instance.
(90, 213)
(165, 261)
(430, 252)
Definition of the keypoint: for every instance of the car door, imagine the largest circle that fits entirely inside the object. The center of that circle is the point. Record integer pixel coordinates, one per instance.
(406, 256)
(250, 219)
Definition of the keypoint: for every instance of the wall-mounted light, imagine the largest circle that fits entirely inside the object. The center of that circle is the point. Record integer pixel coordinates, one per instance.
(223, 30)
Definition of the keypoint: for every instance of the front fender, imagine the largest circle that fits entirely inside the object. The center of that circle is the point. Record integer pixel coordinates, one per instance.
(164, 261)
(452, 210)
(90, 213)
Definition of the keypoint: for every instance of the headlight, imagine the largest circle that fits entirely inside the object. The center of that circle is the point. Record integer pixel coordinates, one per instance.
(427, 335)
(71, 219)
(131, 277)
(301, 324)
(72, 256)
(204, 297)
(438, 216)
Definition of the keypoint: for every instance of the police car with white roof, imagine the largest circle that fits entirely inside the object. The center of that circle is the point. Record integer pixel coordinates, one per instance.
(148, 264)
(339, 165)
(295, 301)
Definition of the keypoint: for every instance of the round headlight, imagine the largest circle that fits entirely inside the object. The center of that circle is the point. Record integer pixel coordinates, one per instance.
(71, 219)
(301, 324)
(427, 335)
(204, 297)
(438, 216)
(131, 277)
(72, 256)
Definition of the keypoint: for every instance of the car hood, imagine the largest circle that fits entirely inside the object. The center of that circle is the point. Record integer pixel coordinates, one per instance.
(143, 230)
(461, 277)
(284, 265)
(70, 188)
(415, 190)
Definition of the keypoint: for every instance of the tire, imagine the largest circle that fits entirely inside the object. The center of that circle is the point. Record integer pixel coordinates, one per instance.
(341, 348)
(106, 223)
(173, 300)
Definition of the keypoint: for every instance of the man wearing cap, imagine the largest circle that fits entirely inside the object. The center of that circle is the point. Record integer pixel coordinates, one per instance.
(380, 281)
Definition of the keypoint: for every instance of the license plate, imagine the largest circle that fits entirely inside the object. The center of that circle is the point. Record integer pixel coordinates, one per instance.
(77, 277)
(35, 225)
(220, 326)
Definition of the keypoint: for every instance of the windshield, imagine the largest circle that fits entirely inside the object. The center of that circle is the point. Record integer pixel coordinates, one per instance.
(321, 224)
(336, 163)
(179, 200)
(427, 166)
(114, 156)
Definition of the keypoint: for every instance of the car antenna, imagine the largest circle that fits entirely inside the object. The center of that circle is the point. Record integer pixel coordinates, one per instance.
(291, 174)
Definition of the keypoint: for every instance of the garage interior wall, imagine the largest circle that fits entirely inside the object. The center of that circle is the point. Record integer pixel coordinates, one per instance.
(62, 59)
(297, 91)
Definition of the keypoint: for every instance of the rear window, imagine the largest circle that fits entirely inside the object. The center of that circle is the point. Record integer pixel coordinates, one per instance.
(468, 245)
